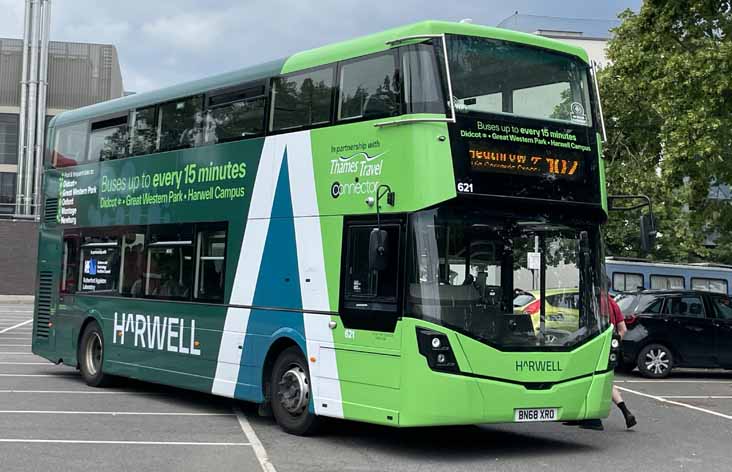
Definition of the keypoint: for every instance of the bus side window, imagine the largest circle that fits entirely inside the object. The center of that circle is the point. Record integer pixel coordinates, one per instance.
(108, 140)
(369, 88)
(423, 86)
(143, 139)
(99, 266)
(169, 273)
(179, 123)
(236, 115)
(210, 263)
(132, 268)
(69, 147)
(302, 99)
(70, 264)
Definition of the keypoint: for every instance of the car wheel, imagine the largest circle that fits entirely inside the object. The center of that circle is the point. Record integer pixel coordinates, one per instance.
(91, 356)
(291, 393)
(655, 361)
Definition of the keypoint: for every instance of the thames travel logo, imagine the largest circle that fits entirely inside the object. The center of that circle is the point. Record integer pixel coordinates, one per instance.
(362, 162)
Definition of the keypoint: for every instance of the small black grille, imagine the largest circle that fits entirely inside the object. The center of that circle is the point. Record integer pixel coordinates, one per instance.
(50, 210)
(43, 302)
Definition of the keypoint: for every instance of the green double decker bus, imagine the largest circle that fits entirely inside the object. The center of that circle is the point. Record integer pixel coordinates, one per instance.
(399, 229)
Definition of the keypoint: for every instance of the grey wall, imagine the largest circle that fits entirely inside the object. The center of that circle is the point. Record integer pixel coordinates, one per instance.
(79, 74)
(18, 251)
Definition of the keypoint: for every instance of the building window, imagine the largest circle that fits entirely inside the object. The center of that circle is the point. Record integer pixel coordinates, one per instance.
(180, 123)
(236, 115)
(666, 282)
(69, 147)
(301, 100)
(8, 139)
(709, 285)
(625, 282)
(7, 192)
(369, 88)
(108, 140)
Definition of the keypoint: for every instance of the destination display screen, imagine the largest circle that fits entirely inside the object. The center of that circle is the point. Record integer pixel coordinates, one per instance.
(509, 155)
(503, 147)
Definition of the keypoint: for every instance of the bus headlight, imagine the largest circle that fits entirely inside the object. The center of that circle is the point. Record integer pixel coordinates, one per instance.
(435, 346)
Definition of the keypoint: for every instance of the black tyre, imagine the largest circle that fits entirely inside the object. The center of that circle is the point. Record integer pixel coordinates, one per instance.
(291, 393)
(655, 361)
(91, 356)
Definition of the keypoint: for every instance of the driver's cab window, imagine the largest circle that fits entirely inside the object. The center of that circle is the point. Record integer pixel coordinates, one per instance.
(362, 282)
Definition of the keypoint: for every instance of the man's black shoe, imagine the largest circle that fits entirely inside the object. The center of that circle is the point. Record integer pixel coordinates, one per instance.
(630, 421)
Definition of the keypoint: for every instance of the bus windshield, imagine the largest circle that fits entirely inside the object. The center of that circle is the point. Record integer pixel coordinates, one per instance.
(489, 277)
(493, 76)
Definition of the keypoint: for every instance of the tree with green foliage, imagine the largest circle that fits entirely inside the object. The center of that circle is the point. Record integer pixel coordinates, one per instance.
(667, 95)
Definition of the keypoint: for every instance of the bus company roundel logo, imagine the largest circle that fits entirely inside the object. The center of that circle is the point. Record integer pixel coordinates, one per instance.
(335, 190)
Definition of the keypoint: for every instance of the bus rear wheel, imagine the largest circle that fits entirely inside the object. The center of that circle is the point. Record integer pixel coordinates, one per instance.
(291, 393)
(91, 356)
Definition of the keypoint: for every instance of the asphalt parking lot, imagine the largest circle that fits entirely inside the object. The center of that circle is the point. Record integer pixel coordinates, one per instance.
(50, 420)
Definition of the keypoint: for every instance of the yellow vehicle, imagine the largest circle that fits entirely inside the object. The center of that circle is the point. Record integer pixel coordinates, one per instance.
(561, 310)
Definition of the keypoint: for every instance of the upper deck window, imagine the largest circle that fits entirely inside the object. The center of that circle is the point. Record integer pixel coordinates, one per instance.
(69, 147)
(144, 132)
(369, 88)
(180, 123)
(422, 82)
(302, 99)
(492, 76)
(236, 115)
(108, 139)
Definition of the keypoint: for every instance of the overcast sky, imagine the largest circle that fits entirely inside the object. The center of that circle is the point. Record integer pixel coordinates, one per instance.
(162, 42)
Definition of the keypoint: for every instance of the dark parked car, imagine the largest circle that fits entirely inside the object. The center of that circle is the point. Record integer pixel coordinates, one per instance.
(676, 328)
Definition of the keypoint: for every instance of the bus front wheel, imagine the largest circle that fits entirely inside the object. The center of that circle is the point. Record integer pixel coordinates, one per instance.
(91, 356)
(291, 393)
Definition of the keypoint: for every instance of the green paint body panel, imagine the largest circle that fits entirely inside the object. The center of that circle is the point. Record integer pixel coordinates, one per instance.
(381, 377)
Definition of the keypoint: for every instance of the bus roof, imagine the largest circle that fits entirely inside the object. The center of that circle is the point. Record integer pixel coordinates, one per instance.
(308, 59)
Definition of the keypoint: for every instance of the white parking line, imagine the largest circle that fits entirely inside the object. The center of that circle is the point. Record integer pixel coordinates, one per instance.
(135, 443)
(671, 402)
(83, 392)
(18, 353)
(112, 413)
(16, 326)
(26, 363)
(699, 397)
(676, 381)
(15, 345)
(254, 441)
(60, 374)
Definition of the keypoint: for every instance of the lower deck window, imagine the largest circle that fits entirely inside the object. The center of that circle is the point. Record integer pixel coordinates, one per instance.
(174, 262)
